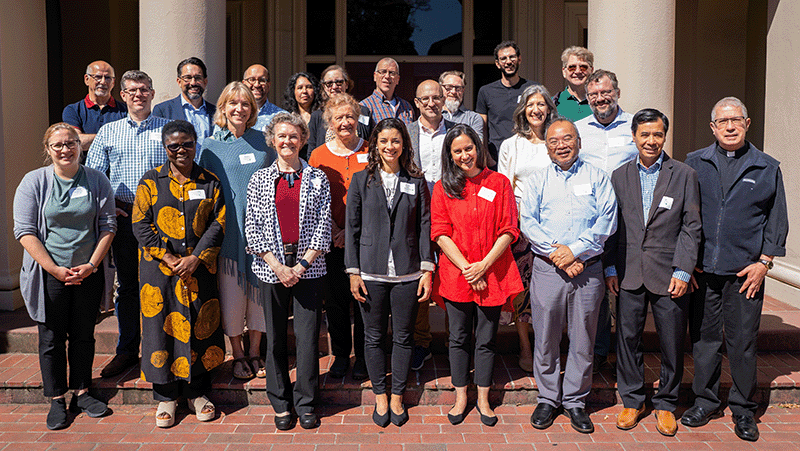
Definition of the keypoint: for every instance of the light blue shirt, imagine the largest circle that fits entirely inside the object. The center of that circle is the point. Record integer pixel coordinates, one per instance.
(199, 118)
(576, 208)
(607, 147)
(265, 115)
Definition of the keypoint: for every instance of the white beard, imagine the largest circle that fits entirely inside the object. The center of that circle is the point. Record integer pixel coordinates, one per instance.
(452, 105)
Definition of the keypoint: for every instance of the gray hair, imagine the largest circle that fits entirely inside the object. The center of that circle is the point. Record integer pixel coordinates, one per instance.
(390, 60)
(135, 75)
(582, 53)
(728, 101)
(521, 125)
(448, 73)
(286, 118)
(561, 119)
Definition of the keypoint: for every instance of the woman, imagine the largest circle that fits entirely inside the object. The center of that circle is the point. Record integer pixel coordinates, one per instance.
(519, 157)
(340, 159)
(302, 95)
(335, 81)
(388, 257)
(288, 229)
(64, 218)
(234, 154)
(179, 221)
(473, 220)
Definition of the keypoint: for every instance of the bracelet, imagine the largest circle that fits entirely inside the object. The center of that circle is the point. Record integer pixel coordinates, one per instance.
(304, 263)
(93, 266)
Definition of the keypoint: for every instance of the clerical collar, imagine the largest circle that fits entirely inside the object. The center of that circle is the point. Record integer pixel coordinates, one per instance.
(736, 153)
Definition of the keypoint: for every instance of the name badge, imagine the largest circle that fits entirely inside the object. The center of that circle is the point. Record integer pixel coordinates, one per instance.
(408, 188)
(155, 136)
(77, 192)
(519, 97)
(247, 158)
(316, 182)
(362, 157)
(363, 119)
(749, 181)
(197, 194)
(666, 202)
(487, 194)
(582, 190)
(619, 141)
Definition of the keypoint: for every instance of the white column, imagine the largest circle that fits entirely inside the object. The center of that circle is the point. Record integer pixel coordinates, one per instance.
(636, 41)
(782, 108)
(172, 30)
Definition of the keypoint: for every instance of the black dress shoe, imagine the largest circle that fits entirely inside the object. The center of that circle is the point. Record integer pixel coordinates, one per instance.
(487, 420)
(339, 367)
(285, 422)
(57, 418)
(746, 428)
(543, 416)
(360, 370)
(697, 416)
(580, 420)
(399, 420)
(309, 420)
(381, 420)
(118, 364)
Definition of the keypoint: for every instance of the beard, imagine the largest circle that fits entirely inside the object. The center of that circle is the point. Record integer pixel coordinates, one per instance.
(452, 105)
(611, 111)
(193, 96)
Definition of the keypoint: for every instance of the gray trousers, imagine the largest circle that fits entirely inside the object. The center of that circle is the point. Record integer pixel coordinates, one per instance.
(556, 301)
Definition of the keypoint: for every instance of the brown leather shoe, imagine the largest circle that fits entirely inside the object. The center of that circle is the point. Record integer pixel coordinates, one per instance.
(629, 418)
(665, 423)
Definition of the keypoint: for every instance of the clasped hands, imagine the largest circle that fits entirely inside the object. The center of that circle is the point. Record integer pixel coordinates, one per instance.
(74, 275)
(564, 260)
(473, 273)
(183, 267)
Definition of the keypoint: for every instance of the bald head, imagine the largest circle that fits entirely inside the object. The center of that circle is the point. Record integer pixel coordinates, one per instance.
(256, 77)
(430, 101)
(99, 77)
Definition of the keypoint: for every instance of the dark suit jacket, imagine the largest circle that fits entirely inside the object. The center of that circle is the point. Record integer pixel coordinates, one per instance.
(372, 228)
(645, 252)
(173, 109)
(413, 133)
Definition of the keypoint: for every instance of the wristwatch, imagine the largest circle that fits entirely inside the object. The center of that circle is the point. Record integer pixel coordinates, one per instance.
(767, 263)
(304, 263)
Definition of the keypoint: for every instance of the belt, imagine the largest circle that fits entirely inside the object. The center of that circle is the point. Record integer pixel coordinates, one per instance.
(289, 248)
(589, 262)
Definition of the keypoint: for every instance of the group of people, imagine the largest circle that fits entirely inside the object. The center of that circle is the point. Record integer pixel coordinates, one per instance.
(533, 209)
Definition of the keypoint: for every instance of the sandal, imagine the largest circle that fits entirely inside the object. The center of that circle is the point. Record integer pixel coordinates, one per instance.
(257, 363)
(202, 408)
(241, 369)
(168, 408)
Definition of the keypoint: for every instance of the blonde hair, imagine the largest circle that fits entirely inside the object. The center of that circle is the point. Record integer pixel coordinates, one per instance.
(51, 130)
(340, 100)
(234, 90)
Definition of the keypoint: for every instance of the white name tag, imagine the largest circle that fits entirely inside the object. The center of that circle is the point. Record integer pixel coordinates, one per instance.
(619, 141)
(408, 188)
(519, 97)
(155, 136)
(197, 194)
(487, 194)
(666, 202)
(316, 182)
(77, 192)
(749, 181)
(247, 158)
(362, 157)
(363, 119)
(582, 190)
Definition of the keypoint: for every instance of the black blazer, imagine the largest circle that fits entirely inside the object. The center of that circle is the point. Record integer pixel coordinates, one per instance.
(645, 252)
(372, 228)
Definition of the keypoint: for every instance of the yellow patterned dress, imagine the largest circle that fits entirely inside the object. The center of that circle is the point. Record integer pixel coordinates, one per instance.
(181, 332)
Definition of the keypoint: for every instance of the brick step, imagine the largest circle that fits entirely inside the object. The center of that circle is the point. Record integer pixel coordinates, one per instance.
(20, 382)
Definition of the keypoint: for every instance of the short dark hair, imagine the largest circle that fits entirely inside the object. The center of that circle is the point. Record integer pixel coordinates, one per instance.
(406, 157)
(453, 178)
(505, 44)
(648, 115)
(178, 126)
(600, 73)
(195, 61)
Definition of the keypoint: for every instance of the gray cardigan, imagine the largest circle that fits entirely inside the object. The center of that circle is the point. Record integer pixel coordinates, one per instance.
(29, 201)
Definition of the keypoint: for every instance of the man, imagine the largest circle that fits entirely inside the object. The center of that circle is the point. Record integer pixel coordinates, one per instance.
(744, 227)
(125, 150)
(497, 100)
(190, 105)
(607, 145)
(576, 65)
(382, 103)
(97, 108)
(427, 137)
(256, 77)
(649, 261)
(569, 212)
(452, 81)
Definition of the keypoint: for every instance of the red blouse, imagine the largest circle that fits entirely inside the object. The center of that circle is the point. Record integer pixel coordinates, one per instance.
(474, 223)
(287, 204)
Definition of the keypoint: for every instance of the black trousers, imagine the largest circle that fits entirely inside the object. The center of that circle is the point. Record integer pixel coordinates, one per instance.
(461, 318)
(401, 300)
(670, 318)
(126, 305)
(337, 309)
(70, 313)
(716, 306)
(306, 297)
(199, 386)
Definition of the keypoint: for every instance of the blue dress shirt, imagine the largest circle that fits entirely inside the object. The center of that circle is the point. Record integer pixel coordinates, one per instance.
(607, 147)
(199, 118)
(265, 115)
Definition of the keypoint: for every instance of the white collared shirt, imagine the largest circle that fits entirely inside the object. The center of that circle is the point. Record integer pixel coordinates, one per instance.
(430, 152)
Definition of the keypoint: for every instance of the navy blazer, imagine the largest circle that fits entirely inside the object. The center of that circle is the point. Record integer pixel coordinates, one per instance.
(172, 109)
(372, 227)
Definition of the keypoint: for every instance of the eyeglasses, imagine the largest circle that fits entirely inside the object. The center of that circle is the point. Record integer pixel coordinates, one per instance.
(737, 122)
(582, 67)
(99, 77)
(606, 93)
(190, 78)
(386, 72)
(188, 145)
(72, 144)
(256, 81)
(456, 88)
(330, 83)
(567, 140)
(429, 99)
(133, 92)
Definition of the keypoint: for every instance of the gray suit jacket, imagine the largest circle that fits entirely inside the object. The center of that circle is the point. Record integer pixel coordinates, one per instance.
(413, 133)
(646, 252)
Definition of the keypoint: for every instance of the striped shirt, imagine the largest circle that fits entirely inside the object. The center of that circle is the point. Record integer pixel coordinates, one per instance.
(382, 108)
(125, 150)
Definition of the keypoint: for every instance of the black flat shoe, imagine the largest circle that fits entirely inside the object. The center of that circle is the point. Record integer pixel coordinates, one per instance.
(746, 428)
(579, 420)
(697, 416)
(399, 420)
(381, 420)
(339, 367)
(543, 416)
(88, 405)
(285, 422)
(456, 419)
(488, 421)
(57, 418)
(309, 420)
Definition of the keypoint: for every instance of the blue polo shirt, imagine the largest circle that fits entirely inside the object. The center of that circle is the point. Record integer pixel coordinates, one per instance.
(88, 117)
